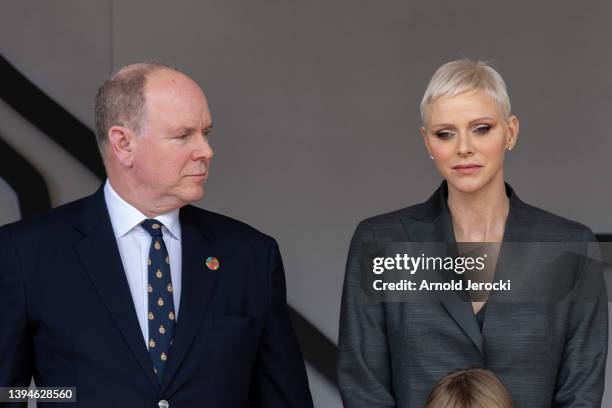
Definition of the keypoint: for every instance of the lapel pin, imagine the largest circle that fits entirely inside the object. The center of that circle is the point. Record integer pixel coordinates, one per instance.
(212, 263)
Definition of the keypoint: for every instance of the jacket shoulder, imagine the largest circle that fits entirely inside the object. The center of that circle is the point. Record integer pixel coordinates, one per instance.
(389, 219)
(226, 228)
(53, 220)
(548, 226)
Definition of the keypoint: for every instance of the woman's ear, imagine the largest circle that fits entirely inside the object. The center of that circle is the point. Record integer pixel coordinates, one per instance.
(513, 127)
(426, 141)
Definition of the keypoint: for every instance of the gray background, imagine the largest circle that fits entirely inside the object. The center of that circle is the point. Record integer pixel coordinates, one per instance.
(315, 105)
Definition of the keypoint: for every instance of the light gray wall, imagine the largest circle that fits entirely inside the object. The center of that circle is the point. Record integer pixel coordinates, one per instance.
(316, 104)
(9, 205)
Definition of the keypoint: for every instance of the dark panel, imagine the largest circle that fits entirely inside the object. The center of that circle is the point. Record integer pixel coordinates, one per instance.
(319, 351)
(49, 117)
(25, 180)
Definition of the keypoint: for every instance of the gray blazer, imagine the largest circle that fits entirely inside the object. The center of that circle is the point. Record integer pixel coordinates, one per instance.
(547, 354)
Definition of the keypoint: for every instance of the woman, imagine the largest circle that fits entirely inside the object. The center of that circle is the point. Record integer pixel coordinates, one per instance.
(469, 388)
(391, 354)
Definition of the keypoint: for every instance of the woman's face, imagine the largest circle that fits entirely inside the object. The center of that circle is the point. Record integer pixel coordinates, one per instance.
(467, 136)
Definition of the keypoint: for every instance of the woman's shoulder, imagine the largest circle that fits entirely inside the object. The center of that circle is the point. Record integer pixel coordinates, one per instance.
(545, 226)
(392, 224)
(428, 210)
(392, 217)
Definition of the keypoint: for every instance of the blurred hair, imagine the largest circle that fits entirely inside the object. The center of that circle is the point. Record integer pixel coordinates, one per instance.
(457, 77)
(120, 101)
(469, 388)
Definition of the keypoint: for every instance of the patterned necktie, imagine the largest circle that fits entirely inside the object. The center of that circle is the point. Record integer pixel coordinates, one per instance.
(161, 315)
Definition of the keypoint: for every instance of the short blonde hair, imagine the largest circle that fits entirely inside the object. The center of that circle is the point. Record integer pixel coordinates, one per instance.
(457, 77)
(469, 388)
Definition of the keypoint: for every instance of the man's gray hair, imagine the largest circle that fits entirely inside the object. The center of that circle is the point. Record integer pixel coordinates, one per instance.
(120, 101)
(457, 77)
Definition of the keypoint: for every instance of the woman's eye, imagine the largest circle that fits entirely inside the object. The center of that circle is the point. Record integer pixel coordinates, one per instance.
(182, 137)
(444, 134)
(482, 129)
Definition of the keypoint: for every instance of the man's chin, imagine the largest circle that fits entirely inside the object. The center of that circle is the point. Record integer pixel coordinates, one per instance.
(192, 194)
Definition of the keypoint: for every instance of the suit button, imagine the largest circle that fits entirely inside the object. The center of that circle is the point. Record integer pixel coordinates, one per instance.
(163, 404)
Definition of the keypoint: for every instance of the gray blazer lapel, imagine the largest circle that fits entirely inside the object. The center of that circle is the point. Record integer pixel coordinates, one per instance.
(431, 222)
(513, 249)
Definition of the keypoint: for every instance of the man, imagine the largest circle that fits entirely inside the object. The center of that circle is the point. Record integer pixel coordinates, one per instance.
(133, 296)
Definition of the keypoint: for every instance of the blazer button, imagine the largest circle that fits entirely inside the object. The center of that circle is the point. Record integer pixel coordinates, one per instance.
(163, 404)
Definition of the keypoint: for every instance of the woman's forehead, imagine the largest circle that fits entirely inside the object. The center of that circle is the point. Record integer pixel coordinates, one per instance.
(463, 106)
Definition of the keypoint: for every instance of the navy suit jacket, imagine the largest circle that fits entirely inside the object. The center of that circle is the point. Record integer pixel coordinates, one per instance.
(67, 317)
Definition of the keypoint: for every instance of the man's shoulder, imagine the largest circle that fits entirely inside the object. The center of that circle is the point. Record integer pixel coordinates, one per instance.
(52, 221)
(225, 227)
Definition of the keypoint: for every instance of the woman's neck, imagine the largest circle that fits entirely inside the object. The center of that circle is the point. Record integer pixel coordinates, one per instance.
(479, 216)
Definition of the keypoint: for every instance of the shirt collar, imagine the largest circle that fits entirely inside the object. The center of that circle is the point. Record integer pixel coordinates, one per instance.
(124, 217)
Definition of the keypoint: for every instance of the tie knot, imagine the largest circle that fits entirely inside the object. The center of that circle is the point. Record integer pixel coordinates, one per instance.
(153, 227)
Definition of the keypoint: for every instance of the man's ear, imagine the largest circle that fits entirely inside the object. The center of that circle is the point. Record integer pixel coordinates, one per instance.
(121, 141)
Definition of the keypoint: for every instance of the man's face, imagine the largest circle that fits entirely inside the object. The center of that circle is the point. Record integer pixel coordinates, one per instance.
(171, 157)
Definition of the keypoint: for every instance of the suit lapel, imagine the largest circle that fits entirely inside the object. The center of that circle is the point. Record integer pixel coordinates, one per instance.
(514, 248)
(459, 307)
(432, 222)
(100, 257)
(197, 285)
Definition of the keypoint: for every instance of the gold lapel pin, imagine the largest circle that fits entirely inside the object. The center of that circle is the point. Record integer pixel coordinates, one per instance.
(212, 263)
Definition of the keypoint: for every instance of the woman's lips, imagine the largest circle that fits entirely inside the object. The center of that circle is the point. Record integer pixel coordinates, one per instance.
(467, 169)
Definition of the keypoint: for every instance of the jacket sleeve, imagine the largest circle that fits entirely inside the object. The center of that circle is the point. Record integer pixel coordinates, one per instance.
(580, 380)
(15, 340)
(280, 379)
(364, 369)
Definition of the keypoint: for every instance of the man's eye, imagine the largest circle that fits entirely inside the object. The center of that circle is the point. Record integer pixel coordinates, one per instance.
(482, 129)
(207, 131)
(444, 134)
(183, 136)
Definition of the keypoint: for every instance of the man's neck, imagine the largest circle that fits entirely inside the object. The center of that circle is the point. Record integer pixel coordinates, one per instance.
(133, 195)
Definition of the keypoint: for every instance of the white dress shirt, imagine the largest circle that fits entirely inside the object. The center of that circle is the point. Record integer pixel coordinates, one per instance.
(134, 243)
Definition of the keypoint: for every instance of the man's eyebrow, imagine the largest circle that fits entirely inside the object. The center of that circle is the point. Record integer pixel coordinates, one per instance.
(187, 130)
(208, 129)
(184, 130)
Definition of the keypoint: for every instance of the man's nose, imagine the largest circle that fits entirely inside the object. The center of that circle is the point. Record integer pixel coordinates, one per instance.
(203, 150)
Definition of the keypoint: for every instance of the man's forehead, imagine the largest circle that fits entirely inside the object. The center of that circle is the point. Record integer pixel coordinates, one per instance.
(178, 112)
(169, 77)
(175, 86)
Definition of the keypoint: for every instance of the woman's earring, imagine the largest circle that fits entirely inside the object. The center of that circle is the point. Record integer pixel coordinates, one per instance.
(431, 157)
